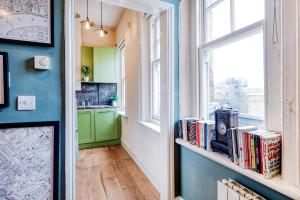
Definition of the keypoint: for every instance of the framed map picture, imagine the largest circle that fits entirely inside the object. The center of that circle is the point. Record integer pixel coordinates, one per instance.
(4, 80)
(28, 22)
(29, 160)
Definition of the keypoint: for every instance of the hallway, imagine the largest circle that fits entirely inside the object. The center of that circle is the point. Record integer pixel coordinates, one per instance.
(109, 173)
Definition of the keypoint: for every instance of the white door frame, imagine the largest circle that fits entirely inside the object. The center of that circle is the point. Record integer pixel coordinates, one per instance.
(167, 139)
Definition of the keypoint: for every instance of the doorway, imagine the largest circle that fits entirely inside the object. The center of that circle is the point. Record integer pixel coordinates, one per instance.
(167, 90)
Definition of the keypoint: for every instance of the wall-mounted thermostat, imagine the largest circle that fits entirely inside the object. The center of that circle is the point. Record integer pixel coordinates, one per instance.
(26, 102)
(42, 62)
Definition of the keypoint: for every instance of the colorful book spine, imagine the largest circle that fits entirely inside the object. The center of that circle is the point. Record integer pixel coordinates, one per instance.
(248, 150)
(184, 130)
(252, 150)
(257, 152)
(192, 133)
(242, 145)
(210, 134)
(261, 155)
(230, 145)
(198, 133)
(272, 155)
(235, 146)
(202, 137)
(180, 134)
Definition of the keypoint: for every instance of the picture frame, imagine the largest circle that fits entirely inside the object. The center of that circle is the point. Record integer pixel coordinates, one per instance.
(33, 171)
(27, 23)
(4, 80)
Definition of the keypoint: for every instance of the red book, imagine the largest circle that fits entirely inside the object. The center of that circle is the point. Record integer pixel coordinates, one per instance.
(198, 132)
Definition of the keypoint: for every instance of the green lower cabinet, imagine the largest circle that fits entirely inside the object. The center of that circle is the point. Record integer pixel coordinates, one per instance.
(98, 127)
(106, 127)
(86, 130)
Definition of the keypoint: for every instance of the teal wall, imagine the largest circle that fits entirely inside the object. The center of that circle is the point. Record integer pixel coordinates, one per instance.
(199, 177)
(47, 86)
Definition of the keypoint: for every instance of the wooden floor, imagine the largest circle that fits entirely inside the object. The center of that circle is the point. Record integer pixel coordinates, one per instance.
(109, 173)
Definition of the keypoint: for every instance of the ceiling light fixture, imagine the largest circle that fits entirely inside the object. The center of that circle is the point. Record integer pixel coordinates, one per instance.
(101, 30)
(87, 22)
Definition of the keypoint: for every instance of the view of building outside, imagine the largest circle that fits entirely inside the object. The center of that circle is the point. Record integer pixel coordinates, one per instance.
(236, 78)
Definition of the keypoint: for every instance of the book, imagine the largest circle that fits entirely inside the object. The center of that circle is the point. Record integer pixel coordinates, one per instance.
(252, 151)
(242, 145)
(230, 143)
(192, 132)
(180, 129)
(210, 133)
(184, 130)
(261, 150)
(202, 135)
(257, 152)
(185, 127)
(248, 149)
(235, 146)
(272, 154)
(198, 133)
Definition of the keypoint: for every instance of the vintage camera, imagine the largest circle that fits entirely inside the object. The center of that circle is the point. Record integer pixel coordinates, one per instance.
(226, 118)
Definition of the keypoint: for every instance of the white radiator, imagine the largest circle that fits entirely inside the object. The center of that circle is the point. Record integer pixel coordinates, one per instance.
(231, 190)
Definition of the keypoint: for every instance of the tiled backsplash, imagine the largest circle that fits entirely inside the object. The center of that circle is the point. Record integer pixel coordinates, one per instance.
(96, 93)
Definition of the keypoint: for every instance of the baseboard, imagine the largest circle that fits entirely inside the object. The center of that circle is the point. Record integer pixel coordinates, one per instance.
(152, 176)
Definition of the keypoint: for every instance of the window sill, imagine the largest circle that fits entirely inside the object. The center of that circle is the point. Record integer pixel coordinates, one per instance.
(150, 125)
(275, 183)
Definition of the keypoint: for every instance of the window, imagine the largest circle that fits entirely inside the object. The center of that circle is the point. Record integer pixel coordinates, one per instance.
(233, 64)
(122, 75)
(155, 70)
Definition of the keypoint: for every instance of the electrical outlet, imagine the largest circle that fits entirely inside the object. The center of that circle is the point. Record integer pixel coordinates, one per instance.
(26, 102)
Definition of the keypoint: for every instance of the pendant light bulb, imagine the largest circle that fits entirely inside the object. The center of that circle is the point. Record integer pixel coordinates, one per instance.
(87, 25)
(101, 33)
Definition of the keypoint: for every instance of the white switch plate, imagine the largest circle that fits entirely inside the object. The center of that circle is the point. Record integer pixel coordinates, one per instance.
(26, 102)
(42, 62)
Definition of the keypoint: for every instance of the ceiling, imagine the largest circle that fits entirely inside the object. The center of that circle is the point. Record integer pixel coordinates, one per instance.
(111, 14)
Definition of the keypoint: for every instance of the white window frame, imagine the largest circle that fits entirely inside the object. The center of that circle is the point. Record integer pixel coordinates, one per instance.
(231, 37)
(122, 72)
(282, 83)
(154, 61)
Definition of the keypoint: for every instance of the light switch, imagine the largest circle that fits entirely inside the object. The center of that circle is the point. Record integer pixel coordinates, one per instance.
(26, 102)
(42, 62)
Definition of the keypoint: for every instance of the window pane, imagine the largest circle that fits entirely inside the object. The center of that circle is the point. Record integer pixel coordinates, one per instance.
(156, 89)
(217, 21)
(236, 76)
(247, 12)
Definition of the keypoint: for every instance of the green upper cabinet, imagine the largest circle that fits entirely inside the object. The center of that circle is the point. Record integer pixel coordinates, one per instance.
(86, 129)
(104, 65)
(106, 126)
(87, 59)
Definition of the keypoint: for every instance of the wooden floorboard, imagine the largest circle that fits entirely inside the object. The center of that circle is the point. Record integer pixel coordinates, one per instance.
(109, 173)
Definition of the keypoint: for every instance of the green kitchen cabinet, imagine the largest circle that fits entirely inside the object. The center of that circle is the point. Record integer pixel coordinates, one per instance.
(106, 125)
(86, 126)
(104, 65)
(87, 59)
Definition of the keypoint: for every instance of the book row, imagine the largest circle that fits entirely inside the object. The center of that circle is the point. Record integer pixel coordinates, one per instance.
(248, 147)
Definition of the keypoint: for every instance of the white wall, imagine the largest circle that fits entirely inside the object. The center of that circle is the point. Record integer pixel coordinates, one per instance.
(141, 142)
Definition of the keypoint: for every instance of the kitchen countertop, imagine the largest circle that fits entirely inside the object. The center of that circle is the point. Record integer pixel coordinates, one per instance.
(95, 107)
